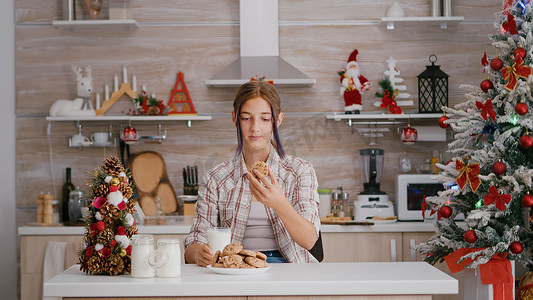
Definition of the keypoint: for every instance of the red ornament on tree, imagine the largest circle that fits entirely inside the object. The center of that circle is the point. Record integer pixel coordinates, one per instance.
(519, 52)
(526, 141)
(527, 200)
(499, 168)
(470, 236)
(409, 135)
(100, 225)
(486, 85)
(441, 122)
(516, 247)
(496, 64)
(445, 211)
(521, 108)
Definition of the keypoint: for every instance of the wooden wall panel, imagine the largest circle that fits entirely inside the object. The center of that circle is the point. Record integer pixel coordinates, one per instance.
(200, 38)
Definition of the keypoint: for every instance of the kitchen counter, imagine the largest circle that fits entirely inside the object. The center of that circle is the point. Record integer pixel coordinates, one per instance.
(407, 280)
(182, 226)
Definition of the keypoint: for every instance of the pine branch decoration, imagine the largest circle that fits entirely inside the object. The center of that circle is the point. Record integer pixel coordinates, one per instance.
(110, 223)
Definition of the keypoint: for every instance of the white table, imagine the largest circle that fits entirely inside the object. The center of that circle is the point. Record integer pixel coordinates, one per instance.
(405, 280)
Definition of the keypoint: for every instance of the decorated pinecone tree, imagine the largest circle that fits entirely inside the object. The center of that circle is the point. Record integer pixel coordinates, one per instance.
(489, 177)
(110, 223)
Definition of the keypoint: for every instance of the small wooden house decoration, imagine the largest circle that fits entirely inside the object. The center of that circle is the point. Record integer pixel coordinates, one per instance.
(180, 101)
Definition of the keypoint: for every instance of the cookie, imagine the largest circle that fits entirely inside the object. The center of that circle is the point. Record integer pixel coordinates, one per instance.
(260, 255)
(246, 265)
(260, 166)
(256, 262)
(218, 265)
(215, 258)
(232, 261)
(247, 253)
(231, 249)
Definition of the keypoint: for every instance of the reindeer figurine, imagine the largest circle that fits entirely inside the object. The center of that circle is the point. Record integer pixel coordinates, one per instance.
(81, 106)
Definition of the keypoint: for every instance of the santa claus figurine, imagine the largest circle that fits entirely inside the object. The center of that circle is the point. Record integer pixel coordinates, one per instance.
(353, 85)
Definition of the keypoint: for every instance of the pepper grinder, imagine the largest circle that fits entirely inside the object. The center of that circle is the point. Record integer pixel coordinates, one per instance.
(40, 208)
(48, 212)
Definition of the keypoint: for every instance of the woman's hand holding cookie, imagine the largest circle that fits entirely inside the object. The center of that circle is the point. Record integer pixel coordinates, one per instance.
(267, 192)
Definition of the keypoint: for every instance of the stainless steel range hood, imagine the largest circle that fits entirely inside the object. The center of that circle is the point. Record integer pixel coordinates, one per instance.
(259, 50)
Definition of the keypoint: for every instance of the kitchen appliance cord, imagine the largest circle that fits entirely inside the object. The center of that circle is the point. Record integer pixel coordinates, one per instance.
(50, 159)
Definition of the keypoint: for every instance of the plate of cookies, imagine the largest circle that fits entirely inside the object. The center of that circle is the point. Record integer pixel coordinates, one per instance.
(234, 260)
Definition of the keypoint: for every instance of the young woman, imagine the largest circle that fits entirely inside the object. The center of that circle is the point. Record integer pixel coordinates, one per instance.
(276, 214)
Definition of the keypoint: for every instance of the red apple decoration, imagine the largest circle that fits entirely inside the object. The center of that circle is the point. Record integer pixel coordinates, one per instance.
(521, 108)
(486, 85)
(496, 64)
(526, 141)
(499, 168)
(441, 122)
(516, 247)
(409, 135)
(470, 236)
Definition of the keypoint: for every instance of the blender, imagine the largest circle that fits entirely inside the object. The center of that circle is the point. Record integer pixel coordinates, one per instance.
(372, 203)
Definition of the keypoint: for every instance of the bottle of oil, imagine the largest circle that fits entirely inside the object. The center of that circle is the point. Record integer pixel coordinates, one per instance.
(67, 188)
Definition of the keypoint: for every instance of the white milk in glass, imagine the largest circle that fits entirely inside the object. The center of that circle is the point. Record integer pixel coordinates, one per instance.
(167, 258)
(218, 238)
(142, 247)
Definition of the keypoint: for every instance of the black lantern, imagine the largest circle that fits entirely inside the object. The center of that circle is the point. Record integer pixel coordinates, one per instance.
(432, 88)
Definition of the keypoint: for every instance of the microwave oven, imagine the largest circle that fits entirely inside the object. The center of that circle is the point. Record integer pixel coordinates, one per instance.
(410, 192)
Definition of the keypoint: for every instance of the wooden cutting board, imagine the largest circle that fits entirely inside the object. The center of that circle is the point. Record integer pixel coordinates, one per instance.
(149, 173)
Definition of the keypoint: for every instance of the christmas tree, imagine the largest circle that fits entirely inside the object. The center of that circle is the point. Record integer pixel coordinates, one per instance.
(489, 177)
(110, 223)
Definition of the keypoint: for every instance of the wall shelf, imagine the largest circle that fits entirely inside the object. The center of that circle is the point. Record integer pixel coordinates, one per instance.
(187, 118)
(381, 119)
(443, 22)
(91, 24)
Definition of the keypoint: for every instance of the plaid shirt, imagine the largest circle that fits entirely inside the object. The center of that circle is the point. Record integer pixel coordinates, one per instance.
(224, 200)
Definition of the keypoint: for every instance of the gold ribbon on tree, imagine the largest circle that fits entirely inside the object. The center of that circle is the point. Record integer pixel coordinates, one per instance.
(512, 73)
(468, 173)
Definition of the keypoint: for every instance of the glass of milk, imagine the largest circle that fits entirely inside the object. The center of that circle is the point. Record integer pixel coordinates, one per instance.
(142, 247)
(218, 238)
(167, 258)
